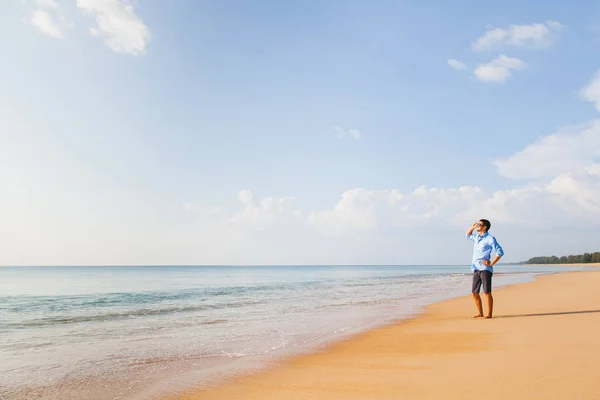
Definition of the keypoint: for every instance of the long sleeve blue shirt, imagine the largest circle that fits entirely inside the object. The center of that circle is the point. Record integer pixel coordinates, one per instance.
(482, 250)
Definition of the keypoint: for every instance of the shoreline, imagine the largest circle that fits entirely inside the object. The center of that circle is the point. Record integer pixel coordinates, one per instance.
(592, 265)
(393, 360)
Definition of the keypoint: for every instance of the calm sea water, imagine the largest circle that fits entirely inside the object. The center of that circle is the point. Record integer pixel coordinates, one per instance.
(136, 332)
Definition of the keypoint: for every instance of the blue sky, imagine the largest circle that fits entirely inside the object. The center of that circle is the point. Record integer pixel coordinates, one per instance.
(232, 132)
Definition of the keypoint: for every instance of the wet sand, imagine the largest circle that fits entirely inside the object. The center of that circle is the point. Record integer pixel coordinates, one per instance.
(541, 344)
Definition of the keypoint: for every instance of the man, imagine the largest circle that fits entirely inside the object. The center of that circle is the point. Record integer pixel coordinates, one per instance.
(482, 267)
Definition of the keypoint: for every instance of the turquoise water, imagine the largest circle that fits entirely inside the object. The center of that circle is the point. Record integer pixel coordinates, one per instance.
(131, 332)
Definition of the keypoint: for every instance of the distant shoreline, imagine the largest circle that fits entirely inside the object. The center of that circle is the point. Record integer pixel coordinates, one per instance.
(566, 265)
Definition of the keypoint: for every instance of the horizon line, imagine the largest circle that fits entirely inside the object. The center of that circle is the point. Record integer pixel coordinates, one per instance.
(251, 265)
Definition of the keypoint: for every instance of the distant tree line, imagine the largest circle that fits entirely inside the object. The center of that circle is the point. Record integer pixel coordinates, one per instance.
(573, 259)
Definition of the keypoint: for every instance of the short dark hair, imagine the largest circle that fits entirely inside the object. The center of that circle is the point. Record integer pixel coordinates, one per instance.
(486, 223)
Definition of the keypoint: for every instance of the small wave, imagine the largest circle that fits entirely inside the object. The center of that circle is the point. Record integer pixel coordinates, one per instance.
(351, 303)
(61, 320)
(167, 359)
(28, 304)
(26, 346)
(216, 321)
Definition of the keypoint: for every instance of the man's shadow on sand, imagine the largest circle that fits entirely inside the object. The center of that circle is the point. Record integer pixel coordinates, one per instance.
(548, 314)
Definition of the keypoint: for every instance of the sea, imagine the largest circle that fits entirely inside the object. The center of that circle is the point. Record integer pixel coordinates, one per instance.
(141, 332)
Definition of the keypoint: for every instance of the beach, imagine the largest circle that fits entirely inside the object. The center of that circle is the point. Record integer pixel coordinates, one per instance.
(541, 344)
(138, 332)
(212, 332)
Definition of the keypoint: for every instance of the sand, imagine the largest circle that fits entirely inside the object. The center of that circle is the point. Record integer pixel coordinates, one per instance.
(543, 343)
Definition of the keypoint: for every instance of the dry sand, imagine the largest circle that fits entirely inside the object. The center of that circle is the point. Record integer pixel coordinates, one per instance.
(543, 343)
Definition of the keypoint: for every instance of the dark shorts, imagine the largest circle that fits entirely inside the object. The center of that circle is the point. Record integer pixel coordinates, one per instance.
(482, 278)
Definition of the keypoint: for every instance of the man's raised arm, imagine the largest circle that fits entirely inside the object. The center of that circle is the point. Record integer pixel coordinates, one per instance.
(471, 229)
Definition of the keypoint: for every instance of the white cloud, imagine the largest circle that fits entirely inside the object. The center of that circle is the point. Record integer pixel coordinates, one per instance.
(457, 65)
(122, 29)
(355, 211)
(46, 23)
(566, 195)
(354, 134)
(525, 207)
(569, 149)
(267, 211)
(498, 70)
(351, 133)
(363, 210)
(537, 35)
(47, 3)
(580, 191)
(570, 200)
(591, 92)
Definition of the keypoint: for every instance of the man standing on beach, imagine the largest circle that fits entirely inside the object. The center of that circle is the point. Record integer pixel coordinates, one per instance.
(482, 267)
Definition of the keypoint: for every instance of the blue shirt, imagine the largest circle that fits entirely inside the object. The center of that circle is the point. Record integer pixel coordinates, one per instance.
(482, 250)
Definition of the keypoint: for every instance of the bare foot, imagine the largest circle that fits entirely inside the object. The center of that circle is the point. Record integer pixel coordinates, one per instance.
(488, 316)
(478, 316)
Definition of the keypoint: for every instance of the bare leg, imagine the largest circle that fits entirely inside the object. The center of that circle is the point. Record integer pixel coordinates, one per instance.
(477, 299)
(490, 304)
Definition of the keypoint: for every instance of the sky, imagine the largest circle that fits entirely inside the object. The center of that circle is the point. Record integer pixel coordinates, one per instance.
(316, 132)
